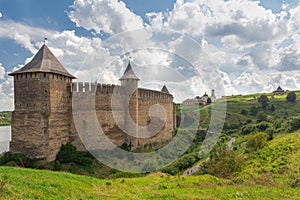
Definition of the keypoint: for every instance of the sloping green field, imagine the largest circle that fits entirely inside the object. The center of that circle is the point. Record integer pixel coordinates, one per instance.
(268, 174)
(38, 184)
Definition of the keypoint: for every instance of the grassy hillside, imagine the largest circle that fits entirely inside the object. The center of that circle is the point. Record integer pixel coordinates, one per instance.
(275, 164)
(268, 173)
(37, 184)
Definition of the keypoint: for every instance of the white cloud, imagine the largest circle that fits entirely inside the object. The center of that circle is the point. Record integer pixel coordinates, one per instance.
(23, 34)
(237, 46)
(266, 81)
(110, 16)
(2, 72)
(6, 94)
(0, 14)
(246, 20)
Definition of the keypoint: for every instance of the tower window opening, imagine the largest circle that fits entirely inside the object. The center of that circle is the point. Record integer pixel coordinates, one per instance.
(45, 75)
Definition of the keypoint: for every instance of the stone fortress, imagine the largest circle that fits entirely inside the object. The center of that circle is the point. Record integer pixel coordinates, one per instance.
(43, 120)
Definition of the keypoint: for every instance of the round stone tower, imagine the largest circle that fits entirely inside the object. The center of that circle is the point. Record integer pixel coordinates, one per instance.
(42, 113)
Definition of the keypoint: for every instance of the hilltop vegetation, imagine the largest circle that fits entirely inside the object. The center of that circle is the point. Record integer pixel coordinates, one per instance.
(5, 118)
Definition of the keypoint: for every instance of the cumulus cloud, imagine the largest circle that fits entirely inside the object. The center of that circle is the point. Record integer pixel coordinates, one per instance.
(234, 46)
(22, 34)
(247, 20)
(6, 94)
(2, 72)
(110, 16)
(0, 14)
(266, 81)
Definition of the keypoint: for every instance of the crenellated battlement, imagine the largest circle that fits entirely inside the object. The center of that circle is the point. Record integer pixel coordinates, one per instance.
(98, 88)
(108, 89)
(147, 94)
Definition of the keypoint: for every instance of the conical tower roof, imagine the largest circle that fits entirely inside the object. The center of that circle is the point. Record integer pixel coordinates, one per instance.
(44, 61)
(165, 89)
(129, 73)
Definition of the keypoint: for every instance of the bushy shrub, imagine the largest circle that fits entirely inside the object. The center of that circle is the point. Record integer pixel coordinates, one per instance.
(224, 163)
(295, 124)
(256, 141)
(244, 111)
(18, 159)
(291, 97)
(249, 128)
(262, 126)
(181, 164)
(253, 110)
(261, 116)
(69, 154)
(270, 133)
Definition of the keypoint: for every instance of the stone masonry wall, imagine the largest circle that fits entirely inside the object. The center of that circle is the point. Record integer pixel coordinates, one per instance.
(39, 125)
(107, 120)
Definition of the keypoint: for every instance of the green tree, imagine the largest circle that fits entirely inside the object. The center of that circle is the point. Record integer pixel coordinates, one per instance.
(291, 97)
(208, 100)
(263, 100)
(253, 110)
(244, 111)
(224, 163)
(261, 116)
(272, 108)
(256, 141)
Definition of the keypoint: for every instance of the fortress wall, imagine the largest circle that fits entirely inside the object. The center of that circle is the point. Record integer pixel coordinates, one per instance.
(60, 116)
(103, 94)
(147, 99)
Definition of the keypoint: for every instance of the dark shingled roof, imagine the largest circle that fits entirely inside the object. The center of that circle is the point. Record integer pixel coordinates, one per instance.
(129, 73)
(279, 89)
(165, 89)
(44, 61)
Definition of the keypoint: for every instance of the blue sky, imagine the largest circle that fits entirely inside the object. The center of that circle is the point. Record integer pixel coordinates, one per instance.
(251, 47)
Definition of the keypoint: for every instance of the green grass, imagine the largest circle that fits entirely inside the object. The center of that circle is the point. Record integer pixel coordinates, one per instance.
(276, 164)
(37, 184)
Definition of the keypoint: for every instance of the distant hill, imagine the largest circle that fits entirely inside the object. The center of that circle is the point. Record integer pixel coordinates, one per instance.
(5, 118)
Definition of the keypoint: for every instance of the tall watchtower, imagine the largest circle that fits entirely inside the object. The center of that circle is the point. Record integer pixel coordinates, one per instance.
(129, 83)
(42, 113)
